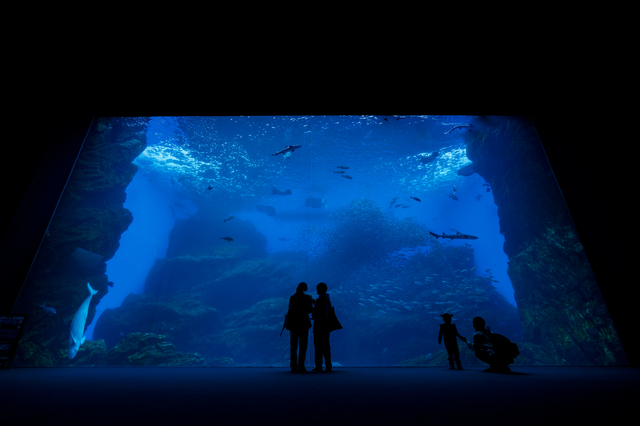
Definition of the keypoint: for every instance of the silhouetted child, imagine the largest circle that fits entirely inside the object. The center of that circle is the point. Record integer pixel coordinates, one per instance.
(449, 332)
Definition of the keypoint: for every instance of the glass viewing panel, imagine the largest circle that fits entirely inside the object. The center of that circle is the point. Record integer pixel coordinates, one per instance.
(179, 240)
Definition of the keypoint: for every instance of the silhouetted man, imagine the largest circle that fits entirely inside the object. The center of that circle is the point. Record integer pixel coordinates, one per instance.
(298, 324)
(484, 349)
(321, 328)
(449, 332)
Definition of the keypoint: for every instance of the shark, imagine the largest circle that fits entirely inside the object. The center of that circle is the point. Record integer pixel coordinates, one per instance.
(457, 236)
(76, 335)
(289, 148)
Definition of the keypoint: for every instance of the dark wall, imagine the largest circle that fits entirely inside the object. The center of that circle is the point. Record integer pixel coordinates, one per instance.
(37, 166)
(592, 167)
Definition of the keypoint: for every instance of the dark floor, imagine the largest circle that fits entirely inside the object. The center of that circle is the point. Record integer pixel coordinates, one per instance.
(156, 396)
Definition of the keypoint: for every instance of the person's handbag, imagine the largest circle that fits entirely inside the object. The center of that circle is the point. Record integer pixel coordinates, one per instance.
(334, 324)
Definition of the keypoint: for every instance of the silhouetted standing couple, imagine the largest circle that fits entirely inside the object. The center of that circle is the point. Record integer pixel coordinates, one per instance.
(298, 323)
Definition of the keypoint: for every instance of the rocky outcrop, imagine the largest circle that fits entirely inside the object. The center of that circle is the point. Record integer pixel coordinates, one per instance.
(251, 336)
(89, 216)
(148, 349)
(182, 318)
(560, 305)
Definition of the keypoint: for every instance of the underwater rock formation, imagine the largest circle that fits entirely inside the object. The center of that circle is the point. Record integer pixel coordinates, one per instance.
(251, 337)
(90, 216)
(144, 349)
(183, 318)
(199, 234)
(560, 304)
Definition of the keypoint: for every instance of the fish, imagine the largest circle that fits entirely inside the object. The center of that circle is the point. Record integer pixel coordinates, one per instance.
(431, 157)
(342, 167)
(340, 171)
(466, 170)
(362, 304)
(227, 239)
(314, 202)
(85, 260)
(486, 184)
(48, 309)
(488, 189)
(284, 239)
(347, 176)
(457, 236)
(76, 331)
(276, 191)
(453, 196)
(180, 179)
(392, 202)
(229, 218)
(455, 189)
(417, 199)
(464, 270)
(405, 207)
(209, 187)
(478, 197)
(289, 148)
(460, 126)
(269, 210)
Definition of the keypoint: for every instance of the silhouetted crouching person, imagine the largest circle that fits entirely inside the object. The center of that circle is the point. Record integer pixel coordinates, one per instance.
(298, 323)
(485, 350)
(321, 328)
(449, 332)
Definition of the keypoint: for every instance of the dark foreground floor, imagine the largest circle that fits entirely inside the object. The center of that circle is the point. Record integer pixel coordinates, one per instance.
(155, 396)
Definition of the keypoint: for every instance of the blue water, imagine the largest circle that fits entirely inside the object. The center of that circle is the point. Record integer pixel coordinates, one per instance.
(144, 241)
(232, 155)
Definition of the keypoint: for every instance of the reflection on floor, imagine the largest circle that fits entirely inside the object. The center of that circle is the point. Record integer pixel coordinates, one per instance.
(433, 395)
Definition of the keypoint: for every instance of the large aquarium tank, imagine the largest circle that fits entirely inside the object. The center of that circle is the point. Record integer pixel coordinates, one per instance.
(179, 240)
